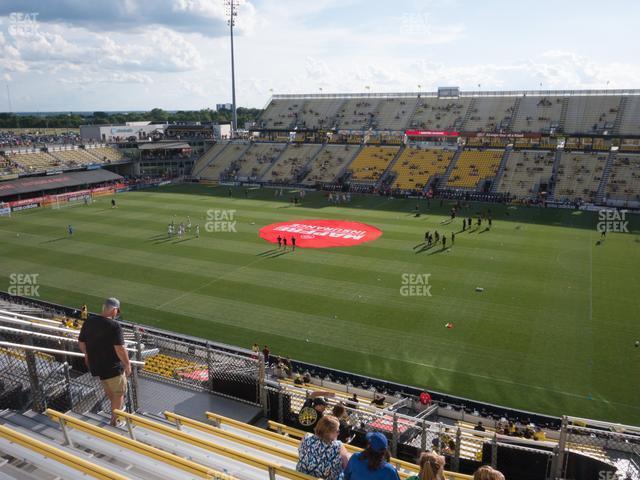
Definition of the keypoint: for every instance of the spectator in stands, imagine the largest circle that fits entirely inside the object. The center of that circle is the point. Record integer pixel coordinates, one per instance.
(373, 462)
(539, 434)
(431, 467)
(487, 473)
(288, 369)
(266, 352)
(322, 455)
(378, 400)
(102, 342)
(279, 371)
(353, 401)
(479, 427)
(312, 410)
(340, 412)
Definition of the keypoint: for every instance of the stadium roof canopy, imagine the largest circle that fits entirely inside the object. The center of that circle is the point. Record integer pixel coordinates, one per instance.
(51, 182)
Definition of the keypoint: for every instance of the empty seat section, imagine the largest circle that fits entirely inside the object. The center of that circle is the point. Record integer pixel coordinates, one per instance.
(439, 114)
(490, 114)
(328, 164)
(256, 160)
(319, 113)
(222, 163)
(357, 113)
(578, 176)
(473, 166)
(525, 171)
(591, 114)
(537, 114)
(416, 167)
(290, 166)
(394, 113)
(281, 113)
(371, 163)
(624, 178)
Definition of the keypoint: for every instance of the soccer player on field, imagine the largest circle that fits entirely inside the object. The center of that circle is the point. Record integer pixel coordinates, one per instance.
(197, 231)
(279, 241)
(284, 242)
(293, 243)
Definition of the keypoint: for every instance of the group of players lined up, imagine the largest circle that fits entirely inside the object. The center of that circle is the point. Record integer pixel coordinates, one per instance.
(182, 228)
(467, 223)
(282, 242)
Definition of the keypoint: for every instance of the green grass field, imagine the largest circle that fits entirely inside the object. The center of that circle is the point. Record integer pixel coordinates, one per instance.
(553, 331)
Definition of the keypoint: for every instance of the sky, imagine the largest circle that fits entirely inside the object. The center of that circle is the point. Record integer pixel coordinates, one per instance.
(88, 55)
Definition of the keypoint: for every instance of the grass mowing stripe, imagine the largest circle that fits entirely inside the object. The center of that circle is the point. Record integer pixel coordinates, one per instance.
(526, 340)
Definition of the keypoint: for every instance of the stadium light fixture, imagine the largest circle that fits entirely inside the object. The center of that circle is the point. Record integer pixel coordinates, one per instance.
(232, 13)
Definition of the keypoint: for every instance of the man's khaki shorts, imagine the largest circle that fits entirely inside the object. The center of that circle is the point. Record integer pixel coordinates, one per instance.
(116, 385)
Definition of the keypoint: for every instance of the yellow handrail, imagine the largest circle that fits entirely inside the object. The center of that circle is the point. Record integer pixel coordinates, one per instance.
(136, 446)
(250, 428)
(203, 427)
(60, 456)
(208, 445)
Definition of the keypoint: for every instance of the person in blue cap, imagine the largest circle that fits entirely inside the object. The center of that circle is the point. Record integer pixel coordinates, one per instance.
(373, 462)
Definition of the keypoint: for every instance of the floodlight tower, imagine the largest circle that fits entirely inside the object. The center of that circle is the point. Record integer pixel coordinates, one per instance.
(232, 12)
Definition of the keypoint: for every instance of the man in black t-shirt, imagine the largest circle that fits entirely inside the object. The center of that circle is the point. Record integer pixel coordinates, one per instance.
(312, 410)
(102, 342)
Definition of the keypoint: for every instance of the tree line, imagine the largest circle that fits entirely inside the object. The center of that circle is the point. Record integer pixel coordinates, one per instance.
(74, 120)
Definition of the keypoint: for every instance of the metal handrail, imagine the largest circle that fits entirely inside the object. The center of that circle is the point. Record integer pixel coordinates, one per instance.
(54, 351)
(472, 93)
(60, 456)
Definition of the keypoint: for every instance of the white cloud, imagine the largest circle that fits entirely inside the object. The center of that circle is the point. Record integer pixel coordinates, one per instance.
(176, 54)
(116, 77)
(206, 17)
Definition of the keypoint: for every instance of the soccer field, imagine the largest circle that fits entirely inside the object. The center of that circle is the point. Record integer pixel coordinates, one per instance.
(552, 332)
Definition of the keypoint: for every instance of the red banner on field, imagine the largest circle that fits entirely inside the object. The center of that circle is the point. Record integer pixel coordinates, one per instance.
(430, 133)
(320, 233)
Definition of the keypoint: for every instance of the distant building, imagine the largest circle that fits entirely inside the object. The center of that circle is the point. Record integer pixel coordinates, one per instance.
(222, 131)
(224, 106)
(120, 133)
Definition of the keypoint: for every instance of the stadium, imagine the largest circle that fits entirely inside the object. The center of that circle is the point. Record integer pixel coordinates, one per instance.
(451, 272)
